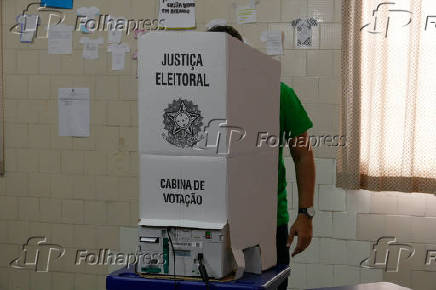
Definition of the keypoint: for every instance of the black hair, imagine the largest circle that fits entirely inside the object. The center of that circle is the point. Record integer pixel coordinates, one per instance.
(227, 29)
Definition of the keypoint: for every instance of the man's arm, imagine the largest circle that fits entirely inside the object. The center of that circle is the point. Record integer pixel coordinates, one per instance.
(305, 174)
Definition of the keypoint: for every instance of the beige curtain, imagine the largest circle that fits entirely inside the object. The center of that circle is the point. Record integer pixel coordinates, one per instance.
(388, 110)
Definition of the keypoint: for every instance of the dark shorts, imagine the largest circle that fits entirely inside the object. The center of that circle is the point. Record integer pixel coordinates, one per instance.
(283, 256)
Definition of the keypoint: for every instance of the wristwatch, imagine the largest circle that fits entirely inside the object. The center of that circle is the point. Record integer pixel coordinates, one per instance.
(309, 212)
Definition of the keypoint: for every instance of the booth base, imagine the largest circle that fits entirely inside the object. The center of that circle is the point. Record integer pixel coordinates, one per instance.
(127, 278)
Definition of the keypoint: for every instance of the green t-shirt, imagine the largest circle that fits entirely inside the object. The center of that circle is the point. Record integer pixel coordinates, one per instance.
(294, 121)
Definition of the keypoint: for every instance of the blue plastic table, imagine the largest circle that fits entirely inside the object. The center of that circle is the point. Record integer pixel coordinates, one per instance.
(128, 279)
(370, 286)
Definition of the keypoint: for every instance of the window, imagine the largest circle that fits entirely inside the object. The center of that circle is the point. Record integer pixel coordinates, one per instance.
(389, 96)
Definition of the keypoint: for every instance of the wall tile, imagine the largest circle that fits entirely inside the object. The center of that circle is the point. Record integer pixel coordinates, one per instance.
(357, 251)
(310, 255)
(423, 230)
(268, 11)
(306, 89)
(17, 136)
(333, 251)
(299, 272)
(370, 227)
(325, 120)
(28, 209)
(95, 212)
(330, 35)
(338, 10)
(39, 136)
(129, 188)
(331, 198)
(27, 161)
(39, 184)
(107, 87)
(19, 280)
(423, 280)
(108, 237)
(346, 275)
(371, 275)
(329, 90)
(399, 227)
(40, 280)
(293, 9)
(325, 171)
(72, 211)
(95, 163)
(323, 10)
(324, 274)
(430, 205)
(344, 225)
(323, 224)
(293, 63)
(118, 113)
(16, 184)
(384, 202)
(85, 236)
(61, 186)
(411, 204)
(50, 63)
(49, 161)
(358, 201)
(39, 87)
(107, 188)
(72, 64)
(62, 234)
(118, 213)
(320, 63)
(84, 187)
(50, 209)
(16, 86)
(63, 281)
(84, 282)
(28, 61)
(17, 231)
(72, 162)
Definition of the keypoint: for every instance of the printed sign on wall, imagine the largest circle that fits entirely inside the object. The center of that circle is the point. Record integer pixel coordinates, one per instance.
(246, 13)
(304, 31)
(175, 14)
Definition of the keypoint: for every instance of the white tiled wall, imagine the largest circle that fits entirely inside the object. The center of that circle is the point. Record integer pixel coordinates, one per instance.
(348, 223)
(83, 192)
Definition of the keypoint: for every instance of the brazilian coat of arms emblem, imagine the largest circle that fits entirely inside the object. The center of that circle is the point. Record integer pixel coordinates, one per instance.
(182, 123)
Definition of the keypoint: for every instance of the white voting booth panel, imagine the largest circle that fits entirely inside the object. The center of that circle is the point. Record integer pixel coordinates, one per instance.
(196, 87)
(210, 192)
(204, 98)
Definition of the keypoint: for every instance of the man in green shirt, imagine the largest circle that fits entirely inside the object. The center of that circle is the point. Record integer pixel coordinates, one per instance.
(294, 123)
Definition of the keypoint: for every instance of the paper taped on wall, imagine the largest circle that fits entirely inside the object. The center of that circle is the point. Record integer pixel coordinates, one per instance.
(60, 39)
(73, 110)
(177, 14)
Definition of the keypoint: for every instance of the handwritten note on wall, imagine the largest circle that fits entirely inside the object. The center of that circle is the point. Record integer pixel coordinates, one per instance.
(177, 14)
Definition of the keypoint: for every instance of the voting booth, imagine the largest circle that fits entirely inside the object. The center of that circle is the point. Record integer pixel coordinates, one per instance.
(208, 175)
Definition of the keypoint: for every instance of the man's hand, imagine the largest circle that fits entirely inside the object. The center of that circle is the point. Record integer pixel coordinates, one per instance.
(303, 229)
